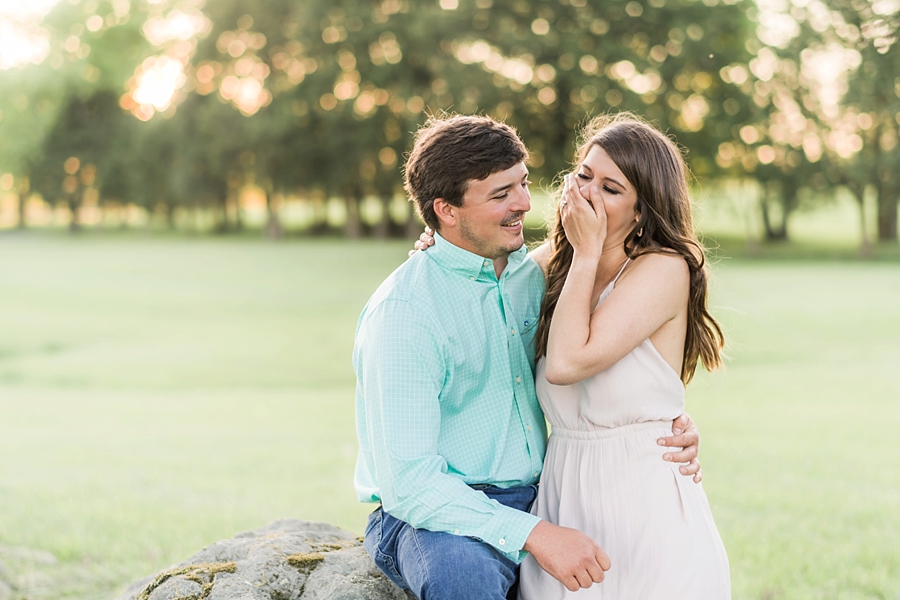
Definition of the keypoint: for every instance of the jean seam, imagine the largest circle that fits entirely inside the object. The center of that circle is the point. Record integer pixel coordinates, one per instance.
(420, 555)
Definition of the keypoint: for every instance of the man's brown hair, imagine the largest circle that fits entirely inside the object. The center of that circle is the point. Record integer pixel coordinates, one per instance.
(451, 151)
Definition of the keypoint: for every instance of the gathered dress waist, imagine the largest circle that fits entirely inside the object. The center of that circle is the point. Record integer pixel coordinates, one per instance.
(608, 432)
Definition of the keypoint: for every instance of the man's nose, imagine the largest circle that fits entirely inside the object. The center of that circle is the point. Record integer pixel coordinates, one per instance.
(522, 201)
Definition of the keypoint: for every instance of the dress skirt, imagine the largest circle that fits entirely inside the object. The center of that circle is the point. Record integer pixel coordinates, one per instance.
(654, 523)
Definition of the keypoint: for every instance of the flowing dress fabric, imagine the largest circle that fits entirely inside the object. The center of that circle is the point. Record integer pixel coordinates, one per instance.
(604, 475)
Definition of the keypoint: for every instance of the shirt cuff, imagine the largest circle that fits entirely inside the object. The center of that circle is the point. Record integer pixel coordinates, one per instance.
(508, 532)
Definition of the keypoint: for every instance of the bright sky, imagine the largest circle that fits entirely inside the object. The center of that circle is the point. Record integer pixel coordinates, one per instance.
(21, 40)
(20, 9)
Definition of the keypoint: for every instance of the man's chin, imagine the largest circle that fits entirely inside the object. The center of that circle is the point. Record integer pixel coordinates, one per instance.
(515, 245)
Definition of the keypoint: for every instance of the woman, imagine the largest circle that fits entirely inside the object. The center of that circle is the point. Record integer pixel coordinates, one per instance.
(623, 325)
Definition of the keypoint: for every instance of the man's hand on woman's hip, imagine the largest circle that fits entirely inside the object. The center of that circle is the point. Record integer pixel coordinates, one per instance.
(685, 436)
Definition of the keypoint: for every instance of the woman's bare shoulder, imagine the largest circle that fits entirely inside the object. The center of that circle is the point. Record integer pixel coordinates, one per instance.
(541, 255)
(668, 266)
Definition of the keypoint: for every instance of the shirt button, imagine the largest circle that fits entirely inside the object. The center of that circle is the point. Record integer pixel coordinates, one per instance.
(472, 278)
(518, 380)
(537, 474)
(502, 542)
(456, 531)
(487, 263)
(513, 331)
(528, 427)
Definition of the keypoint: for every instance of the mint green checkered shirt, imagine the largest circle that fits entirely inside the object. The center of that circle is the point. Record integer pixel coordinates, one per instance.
(445, 398)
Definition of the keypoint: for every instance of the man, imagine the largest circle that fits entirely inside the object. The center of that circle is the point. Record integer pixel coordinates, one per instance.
(451, 435)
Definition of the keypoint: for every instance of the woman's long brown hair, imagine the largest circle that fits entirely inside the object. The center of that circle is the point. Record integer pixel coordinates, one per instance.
(655, 167)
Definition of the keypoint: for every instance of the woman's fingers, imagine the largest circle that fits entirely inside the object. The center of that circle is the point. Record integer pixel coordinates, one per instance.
(425, 240)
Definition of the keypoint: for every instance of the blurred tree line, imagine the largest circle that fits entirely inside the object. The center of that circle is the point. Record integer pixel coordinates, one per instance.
(181, 104)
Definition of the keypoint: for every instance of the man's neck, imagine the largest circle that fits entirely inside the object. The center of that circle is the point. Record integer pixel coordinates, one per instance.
(457, 240)
(500, 265)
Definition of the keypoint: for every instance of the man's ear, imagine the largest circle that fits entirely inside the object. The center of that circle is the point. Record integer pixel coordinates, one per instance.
(445, 212)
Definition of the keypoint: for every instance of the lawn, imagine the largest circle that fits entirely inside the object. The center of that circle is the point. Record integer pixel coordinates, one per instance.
(157, 395)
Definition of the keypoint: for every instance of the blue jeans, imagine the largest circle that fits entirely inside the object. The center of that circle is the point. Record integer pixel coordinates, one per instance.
(434, 565)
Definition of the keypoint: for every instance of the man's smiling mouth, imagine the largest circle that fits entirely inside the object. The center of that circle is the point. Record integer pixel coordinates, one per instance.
(515, 222)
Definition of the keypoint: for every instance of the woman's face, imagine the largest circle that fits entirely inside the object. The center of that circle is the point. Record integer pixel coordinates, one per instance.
(619, 196)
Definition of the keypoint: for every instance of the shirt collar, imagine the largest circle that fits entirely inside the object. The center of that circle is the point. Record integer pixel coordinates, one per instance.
(453, 258)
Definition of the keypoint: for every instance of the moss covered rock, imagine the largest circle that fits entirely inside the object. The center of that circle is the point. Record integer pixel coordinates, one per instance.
(285, 560)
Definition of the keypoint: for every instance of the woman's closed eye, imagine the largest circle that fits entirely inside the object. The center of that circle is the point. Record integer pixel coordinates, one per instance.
(606, 188)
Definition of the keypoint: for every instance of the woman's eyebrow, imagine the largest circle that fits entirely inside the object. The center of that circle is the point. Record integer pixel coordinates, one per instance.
(614, 181)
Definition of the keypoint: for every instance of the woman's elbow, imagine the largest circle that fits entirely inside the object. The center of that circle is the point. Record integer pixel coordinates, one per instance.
(561, 374)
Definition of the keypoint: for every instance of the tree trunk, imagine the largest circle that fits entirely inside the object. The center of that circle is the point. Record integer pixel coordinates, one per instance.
(23, 198)
(383, 228)
(274, 229)
(238, 217)
(353, 226)
(170, 216)
(221, 214)
(775, 232)
(74, 225)
(887, 213)
(859, 193)
(22, 190)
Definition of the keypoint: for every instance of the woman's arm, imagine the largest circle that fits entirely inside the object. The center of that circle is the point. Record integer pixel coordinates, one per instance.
(581, 342)
(654, 292)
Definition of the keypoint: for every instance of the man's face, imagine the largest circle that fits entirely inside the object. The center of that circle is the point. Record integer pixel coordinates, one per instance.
(490, 218)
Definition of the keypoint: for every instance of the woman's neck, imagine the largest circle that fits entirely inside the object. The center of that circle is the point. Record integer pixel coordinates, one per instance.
(610, 264)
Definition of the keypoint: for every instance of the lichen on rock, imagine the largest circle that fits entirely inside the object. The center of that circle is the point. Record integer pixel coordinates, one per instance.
(285, 560)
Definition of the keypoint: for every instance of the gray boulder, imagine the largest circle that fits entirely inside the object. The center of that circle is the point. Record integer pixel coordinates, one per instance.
(285, 560)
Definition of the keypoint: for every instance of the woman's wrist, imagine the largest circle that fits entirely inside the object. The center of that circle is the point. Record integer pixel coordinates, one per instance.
(587, 254)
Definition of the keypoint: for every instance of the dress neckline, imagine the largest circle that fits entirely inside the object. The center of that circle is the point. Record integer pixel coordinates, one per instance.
(609, 288)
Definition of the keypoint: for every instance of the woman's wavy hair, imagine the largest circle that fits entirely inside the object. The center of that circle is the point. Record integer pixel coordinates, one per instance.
(655, 167)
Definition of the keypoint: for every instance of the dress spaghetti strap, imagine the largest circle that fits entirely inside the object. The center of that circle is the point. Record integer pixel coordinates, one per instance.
(619, 274)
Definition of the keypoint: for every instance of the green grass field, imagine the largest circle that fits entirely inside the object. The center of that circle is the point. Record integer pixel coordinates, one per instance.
(157, 395)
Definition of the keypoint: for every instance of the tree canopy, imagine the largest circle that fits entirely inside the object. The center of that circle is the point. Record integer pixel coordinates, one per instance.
(180, 103)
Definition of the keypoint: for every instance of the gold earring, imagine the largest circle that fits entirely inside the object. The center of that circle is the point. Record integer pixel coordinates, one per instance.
(641, 232)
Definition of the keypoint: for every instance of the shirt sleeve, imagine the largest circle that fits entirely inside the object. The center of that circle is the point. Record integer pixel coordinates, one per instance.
(401, 370)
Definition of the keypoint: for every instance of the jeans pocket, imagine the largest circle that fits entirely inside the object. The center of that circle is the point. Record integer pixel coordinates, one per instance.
(374, 541)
